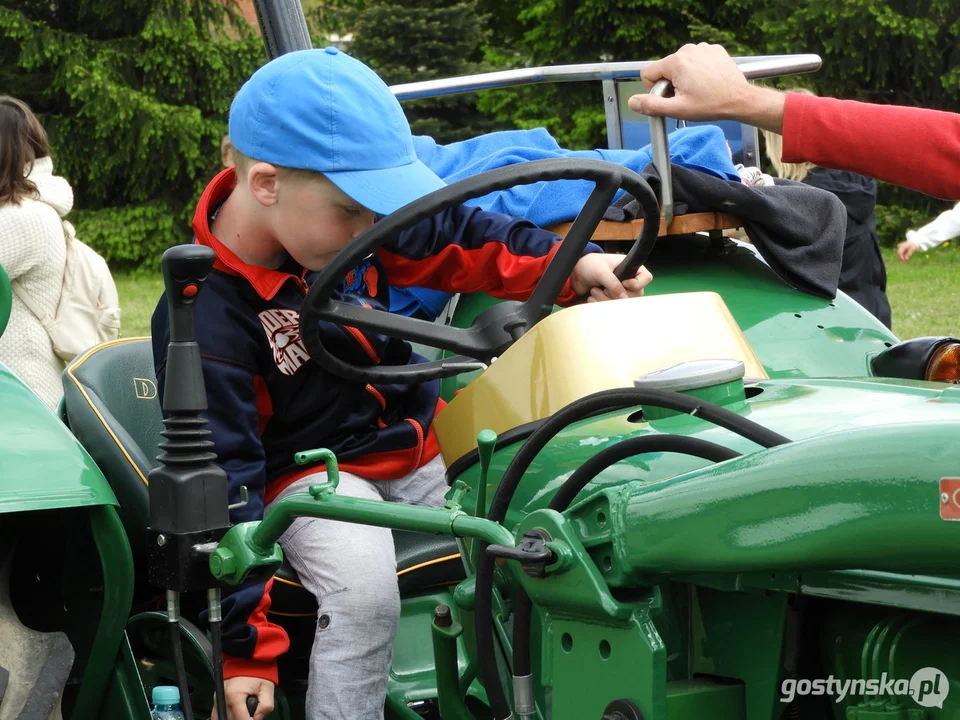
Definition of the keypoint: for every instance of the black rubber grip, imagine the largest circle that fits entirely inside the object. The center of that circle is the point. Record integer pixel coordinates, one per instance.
(252, 703)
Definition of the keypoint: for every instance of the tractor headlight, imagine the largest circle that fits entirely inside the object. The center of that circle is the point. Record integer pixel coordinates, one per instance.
(944, 364)
(936, 359)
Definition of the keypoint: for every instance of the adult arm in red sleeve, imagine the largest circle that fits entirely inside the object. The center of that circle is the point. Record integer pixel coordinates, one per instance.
(912, 147)
(916, 148)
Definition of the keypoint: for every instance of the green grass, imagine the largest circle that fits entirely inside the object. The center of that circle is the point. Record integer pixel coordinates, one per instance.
(139, 292)
(924, 294)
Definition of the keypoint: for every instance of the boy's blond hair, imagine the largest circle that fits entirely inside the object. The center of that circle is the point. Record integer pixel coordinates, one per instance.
(774, 149)
(243, 163)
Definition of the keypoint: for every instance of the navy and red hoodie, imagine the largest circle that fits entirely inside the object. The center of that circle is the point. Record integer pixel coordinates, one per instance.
(267, 400)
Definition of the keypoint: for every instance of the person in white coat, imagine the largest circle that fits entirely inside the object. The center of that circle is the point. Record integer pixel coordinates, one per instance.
(33, 248)
(945, 227)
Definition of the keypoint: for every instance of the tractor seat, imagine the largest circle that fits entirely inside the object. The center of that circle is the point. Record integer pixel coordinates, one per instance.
(111, 404)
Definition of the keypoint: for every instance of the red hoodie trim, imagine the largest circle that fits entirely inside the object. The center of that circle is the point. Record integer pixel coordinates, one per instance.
(364, 343)
(455, 269)
(265, 281)
(264, 403)
(390, 465)
(272, 642)
(241, 667)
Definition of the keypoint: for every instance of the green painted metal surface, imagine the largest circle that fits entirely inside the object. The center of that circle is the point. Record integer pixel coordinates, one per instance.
(6, 299)
(446, 660)
(126, 697)
(863, 644)
(926, 593)
(830, 502)
(43, 464)
(249, 546)
(915, 592)
(413, 677)
(703, 698)
(798, 409)
(116, 563)
(586, 632)
(739, 635)
(794, 334)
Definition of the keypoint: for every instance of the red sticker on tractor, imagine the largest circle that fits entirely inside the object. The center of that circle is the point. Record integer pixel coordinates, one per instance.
(950, 499)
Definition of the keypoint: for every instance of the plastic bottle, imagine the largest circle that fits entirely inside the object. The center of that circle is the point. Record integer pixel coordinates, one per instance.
(166, 703)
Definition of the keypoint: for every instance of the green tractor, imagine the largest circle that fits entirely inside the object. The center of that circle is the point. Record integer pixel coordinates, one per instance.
(728, 499)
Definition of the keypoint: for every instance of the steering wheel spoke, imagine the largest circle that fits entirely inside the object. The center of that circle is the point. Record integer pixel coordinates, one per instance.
(581, 231)
(498, 327)
(472, 342)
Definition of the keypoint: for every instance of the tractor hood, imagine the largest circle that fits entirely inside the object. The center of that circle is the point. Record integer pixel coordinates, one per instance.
(44, 467)
(801, 410)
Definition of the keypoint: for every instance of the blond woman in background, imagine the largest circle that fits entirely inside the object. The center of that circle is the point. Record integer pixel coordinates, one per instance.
(863, 275)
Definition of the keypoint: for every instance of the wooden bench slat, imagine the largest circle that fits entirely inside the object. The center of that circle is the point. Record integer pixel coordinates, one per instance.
(681, 225)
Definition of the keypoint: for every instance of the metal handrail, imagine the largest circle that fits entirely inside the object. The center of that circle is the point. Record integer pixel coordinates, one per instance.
(753, 67)
(660, 149)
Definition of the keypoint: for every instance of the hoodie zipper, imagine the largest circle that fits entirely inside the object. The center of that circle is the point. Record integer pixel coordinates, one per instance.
(420, 443)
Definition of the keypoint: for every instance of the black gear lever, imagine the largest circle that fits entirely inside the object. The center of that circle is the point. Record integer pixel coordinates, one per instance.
(187, 491)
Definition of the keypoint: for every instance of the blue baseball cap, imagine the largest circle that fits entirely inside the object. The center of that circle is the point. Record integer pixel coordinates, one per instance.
(325, 111)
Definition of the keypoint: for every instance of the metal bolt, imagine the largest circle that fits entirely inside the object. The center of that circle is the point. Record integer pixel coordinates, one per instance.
(441, 616)
(944, 498)
(222, 563)
(161, 540)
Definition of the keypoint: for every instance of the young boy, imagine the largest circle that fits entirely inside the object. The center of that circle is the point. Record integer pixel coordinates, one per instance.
(321, 145)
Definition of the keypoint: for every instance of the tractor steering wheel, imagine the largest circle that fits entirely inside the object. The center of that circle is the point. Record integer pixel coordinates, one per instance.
(497, 327)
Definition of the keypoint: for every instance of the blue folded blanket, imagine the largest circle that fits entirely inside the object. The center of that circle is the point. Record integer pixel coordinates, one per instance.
(545, 203)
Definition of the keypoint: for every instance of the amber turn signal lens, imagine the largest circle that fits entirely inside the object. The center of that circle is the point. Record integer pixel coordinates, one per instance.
(944, 366)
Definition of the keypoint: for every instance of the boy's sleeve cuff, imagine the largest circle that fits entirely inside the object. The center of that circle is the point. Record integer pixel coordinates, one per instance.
(242, 667)
(567, 296)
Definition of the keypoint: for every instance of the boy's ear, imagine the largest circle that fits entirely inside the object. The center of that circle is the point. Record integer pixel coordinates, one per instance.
(262, 183)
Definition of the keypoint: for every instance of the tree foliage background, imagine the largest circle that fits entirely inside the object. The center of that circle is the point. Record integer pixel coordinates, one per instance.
(135, 93)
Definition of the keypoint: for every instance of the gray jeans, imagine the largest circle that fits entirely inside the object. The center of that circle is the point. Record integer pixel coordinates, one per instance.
(352, 571)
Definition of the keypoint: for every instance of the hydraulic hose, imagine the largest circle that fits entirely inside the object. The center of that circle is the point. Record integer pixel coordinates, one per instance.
(523, 610)
(174, 632)
(523, 696)
(213, 605)
(635, 446)
(574, 412)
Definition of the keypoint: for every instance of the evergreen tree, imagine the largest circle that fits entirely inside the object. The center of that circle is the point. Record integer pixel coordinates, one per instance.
(134, 95)
(561, 32)
(405, 42)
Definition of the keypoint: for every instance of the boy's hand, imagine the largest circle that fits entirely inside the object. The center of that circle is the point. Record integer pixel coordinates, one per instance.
(593, 274)
(236, 690)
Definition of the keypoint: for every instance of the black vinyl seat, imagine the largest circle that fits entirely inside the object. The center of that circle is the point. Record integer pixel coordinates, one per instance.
(112, 407)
